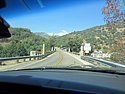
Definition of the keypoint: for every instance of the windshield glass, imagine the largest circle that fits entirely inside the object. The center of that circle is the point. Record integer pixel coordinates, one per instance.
(84, 34)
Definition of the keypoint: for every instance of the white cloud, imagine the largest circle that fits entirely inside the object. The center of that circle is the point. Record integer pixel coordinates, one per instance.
(63, 32)
(50, 34)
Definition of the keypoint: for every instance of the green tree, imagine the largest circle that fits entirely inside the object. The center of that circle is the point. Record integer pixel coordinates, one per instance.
(52, 41)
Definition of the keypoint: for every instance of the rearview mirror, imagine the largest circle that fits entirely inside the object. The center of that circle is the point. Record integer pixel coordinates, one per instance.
(4, 32)
(2, 4)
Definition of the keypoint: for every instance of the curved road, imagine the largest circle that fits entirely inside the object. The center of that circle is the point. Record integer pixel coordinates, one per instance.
(57, 59)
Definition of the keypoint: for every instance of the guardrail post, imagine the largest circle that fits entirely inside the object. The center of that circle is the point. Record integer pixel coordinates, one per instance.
(40, 57)
(34, 58)
(0, 62)
(29, 59)
(24, 60)
(18, 61)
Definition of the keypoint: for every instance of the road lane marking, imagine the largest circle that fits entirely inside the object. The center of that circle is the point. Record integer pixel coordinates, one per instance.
(82, 61)
(61, 57)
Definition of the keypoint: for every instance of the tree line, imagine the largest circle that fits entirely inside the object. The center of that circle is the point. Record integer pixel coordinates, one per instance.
(22, 42)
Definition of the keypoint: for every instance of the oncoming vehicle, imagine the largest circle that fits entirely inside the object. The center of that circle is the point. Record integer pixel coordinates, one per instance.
(62, 46)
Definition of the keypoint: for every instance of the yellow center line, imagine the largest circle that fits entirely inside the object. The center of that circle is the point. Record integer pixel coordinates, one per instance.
(59, 61)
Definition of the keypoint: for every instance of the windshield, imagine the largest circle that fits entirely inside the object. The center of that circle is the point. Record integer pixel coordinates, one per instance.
(72, 34)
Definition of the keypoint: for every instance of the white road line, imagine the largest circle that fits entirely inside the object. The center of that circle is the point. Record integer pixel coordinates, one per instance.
(82, 61)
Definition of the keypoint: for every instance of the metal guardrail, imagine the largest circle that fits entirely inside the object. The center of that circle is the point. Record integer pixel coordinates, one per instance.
(24, 57)
(17, 58)
(112, 64)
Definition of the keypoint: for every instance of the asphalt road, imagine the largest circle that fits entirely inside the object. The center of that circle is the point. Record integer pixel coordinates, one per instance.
(57, 59)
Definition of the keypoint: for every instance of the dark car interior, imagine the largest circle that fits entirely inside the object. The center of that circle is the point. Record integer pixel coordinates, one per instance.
(4, 32)
(60, 82)
(2, 4)
(11, 88)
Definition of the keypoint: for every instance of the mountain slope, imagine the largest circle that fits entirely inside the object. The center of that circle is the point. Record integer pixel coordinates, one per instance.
(21, 43)
(101, 38)
(42, 34)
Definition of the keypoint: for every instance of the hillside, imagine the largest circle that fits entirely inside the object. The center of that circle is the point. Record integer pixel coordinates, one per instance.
(21, 43)
(42, 34)
(101, 39)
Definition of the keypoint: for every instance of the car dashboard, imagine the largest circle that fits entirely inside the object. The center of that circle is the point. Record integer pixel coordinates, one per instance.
(61, 81)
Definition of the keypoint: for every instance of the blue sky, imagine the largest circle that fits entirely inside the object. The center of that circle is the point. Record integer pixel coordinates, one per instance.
(61, 20)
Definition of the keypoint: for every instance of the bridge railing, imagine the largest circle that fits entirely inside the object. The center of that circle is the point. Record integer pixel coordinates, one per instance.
(102, 61)
(36, 57)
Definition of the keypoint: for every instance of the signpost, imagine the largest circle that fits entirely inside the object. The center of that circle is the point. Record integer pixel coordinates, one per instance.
(87, 48)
